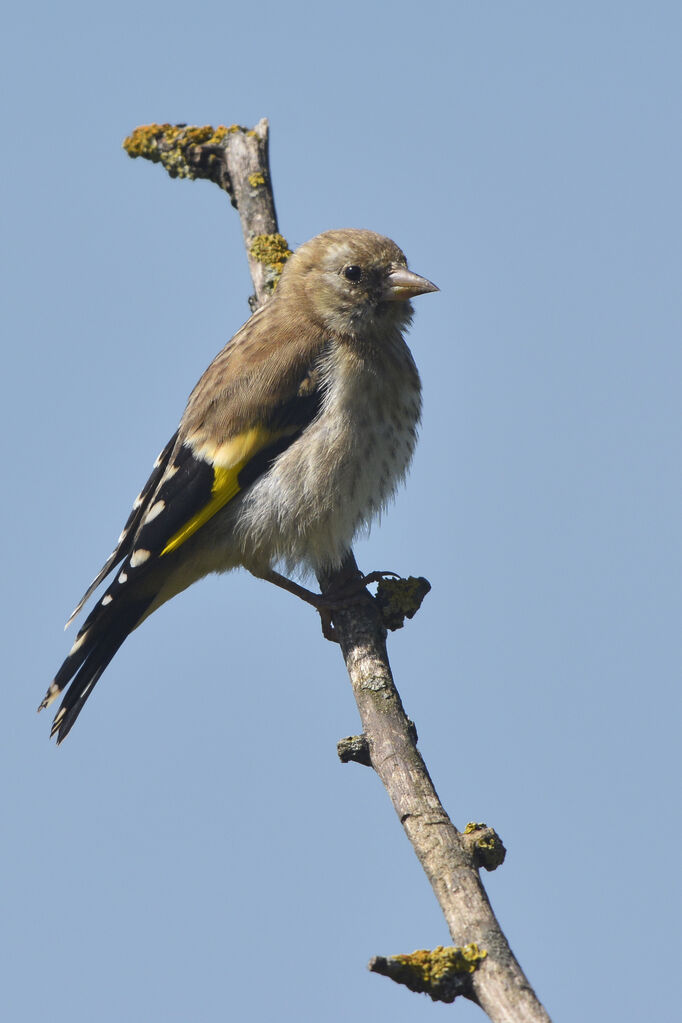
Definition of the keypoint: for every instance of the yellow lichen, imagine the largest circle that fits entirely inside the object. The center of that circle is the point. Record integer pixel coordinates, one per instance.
(169, 144)
(442, 974)
(489, 850)
(256, 179)
(271, 250)
(430, 968)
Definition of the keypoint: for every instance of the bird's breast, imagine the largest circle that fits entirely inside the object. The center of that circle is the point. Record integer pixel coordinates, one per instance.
(343, 469)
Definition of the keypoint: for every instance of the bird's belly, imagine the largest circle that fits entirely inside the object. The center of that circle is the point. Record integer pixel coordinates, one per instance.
(334, 479)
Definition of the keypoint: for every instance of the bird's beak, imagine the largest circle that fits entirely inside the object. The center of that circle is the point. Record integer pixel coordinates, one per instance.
(403, 284)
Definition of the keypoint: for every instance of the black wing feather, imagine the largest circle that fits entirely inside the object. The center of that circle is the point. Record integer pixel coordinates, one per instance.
(184, 484)
(125, 541)
(184, 492)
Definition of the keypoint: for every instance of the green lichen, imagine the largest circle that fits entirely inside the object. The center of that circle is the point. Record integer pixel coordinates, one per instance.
(170, 144)
(256, 179)
(271, 250)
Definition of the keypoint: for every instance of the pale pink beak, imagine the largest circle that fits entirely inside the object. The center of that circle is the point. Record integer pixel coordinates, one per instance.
(403, 284)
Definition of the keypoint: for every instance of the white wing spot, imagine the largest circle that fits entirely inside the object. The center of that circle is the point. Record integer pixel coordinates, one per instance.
(123, 578)
(139, 557)
(121, 538)
(137, 502)
(157, 463)
(155, 510)
(78, 644)
(106, 599)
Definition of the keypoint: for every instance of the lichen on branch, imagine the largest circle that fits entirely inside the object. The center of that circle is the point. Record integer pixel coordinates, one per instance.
(399, 599)
(487, 847)
(271, 250)
(184, 150)
(442, 973)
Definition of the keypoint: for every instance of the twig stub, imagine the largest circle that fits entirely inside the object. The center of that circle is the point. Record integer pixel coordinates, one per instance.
(442, 974)
(487, 848)
(399, 599)
(355, 748)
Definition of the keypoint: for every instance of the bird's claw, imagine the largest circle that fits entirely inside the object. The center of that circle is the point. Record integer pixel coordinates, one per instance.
(378, 576)
(347, 594)
(340, 597)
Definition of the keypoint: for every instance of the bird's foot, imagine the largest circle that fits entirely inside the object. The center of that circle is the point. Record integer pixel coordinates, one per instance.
(344, 592)
(338, 597)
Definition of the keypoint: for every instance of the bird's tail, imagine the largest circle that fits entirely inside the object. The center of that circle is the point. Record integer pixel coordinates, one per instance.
(102, 634)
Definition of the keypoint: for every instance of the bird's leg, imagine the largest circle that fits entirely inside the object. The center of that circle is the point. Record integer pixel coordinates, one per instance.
(316, 600)
(270, 576)
(345, 592)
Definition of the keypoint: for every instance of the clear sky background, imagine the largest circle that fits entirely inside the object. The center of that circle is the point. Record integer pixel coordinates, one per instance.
(195, 851)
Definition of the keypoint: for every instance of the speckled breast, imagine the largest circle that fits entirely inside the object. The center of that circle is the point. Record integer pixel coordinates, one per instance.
(343, 469)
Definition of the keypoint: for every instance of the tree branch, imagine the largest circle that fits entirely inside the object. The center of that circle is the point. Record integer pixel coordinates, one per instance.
(237, 160)
(482, 967)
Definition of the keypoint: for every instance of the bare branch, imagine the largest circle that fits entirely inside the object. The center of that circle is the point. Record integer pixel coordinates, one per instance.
(482, 966)
(448, 859)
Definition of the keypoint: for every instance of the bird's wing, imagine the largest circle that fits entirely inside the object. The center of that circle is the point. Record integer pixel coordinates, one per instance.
(125, 540)
(197, 484)
(219, 450)
(222, 446)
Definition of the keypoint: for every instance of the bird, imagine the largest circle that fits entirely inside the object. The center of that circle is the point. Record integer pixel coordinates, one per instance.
(293, 441)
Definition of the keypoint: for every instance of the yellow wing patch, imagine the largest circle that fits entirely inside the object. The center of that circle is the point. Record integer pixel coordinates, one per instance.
(228, 461)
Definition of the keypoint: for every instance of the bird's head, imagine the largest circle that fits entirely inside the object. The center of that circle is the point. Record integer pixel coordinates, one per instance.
(353, 281)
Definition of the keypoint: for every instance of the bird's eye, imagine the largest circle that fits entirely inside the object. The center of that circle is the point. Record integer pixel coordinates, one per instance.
(353, 273)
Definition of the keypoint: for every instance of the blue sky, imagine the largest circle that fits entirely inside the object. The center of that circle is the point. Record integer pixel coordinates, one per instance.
(195, 851)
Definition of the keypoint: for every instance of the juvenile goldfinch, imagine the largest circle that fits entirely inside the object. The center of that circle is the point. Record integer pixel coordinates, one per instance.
(295, 437)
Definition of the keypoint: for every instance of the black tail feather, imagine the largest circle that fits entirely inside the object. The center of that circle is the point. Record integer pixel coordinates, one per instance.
(85, 666)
